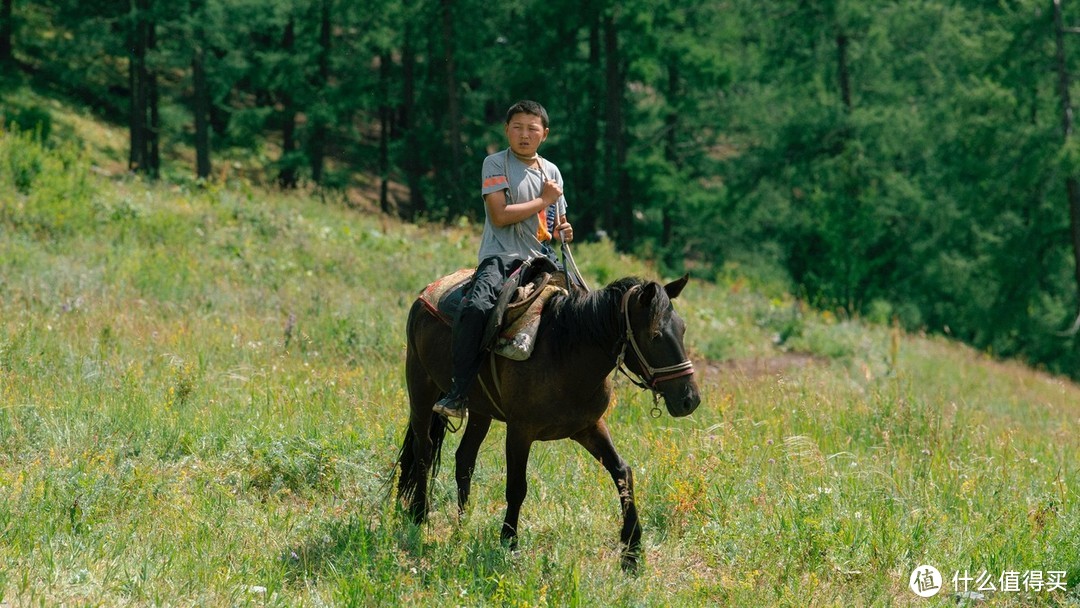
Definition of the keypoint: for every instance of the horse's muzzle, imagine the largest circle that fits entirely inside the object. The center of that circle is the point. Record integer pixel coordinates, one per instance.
(682, 398)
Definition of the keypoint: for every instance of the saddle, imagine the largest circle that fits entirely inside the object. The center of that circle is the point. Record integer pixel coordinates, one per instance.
(512, 326)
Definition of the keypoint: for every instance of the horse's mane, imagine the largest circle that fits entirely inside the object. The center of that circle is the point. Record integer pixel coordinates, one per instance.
(581, 318)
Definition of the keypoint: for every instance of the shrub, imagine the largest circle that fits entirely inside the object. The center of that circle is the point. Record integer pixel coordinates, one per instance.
(50, 192)
(28, 120)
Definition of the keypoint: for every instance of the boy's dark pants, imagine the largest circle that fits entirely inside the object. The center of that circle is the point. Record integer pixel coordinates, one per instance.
(471, 321)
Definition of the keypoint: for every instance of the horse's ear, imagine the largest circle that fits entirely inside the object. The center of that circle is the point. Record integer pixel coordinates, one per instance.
(675, 287)
(649, 293)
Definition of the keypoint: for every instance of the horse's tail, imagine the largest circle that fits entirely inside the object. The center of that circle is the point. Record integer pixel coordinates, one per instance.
(407, 457)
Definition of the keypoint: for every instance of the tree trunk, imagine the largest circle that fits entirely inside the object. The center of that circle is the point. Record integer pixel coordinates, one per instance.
(1072, 185)
(588, 187)
(855, 270)
(453, 181)
(319, 131)
(843, 73)
(671, 155)
(153, 133)
(384, 131)
(7, 32)
(614, 135)
(200, 106)
(287, 175)
(137, 158)
(413, 171)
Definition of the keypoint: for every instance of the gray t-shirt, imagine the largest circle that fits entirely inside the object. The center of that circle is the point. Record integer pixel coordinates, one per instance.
(503, 171)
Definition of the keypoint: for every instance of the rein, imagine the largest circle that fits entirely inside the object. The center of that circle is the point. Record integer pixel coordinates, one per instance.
(653, 376)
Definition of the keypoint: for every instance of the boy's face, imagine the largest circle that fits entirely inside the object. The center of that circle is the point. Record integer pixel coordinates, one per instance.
(525, 132)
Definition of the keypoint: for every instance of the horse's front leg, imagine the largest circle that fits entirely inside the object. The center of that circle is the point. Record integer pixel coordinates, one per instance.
(518, 444)
(597, 440)
(465, 457)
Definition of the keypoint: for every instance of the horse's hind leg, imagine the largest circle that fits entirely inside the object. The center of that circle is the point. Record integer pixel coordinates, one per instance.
(465, 457)
(422, 395)
(597, 440)
(421, 465)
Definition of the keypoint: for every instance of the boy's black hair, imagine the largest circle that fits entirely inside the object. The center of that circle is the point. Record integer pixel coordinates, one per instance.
(526, 106)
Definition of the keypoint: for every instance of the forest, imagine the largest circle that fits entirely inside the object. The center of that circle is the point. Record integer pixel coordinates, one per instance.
(904, 162)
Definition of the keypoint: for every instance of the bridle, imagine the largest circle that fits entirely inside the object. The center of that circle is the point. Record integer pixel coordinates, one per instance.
(652, 376)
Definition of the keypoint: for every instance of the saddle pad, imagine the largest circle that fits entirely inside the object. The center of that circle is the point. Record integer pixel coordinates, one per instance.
(435, 295)
(518, 335)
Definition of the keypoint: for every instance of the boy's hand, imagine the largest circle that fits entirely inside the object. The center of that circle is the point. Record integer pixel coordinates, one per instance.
(565, 231)
(551, 192)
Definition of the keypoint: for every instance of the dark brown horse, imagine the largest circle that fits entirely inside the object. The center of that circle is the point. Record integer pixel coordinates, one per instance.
(561, 391)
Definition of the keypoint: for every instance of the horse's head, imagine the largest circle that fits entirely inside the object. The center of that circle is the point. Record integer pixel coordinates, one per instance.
(654, 337)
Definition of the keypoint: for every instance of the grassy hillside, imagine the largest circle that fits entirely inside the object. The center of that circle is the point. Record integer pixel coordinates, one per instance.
(201, 400)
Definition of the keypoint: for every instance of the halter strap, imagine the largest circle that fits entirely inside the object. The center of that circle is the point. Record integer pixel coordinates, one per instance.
(653, 375)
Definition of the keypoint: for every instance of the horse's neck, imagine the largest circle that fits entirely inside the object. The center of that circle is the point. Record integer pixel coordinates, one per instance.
(591, 326)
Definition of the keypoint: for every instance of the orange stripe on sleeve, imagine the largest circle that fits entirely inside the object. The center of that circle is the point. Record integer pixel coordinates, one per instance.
(494, 181)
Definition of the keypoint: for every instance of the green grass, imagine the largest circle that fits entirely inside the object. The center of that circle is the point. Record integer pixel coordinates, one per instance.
(202, 398)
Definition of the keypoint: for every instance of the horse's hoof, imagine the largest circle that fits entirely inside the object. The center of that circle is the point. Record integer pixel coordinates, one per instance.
(630, 563)
(510, 541)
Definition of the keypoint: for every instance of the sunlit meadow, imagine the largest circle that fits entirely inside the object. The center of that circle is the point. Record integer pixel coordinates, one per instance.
(202, 399)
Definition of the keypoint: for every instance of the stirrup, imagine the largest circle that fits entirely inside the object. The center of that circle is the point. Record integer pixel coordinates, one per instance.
(450, 407)
(445, 407)
(452, 424)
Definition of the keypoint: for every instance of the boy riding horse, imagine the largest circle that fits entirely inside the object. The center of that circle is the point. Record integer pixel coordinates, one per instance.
(523, 194)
